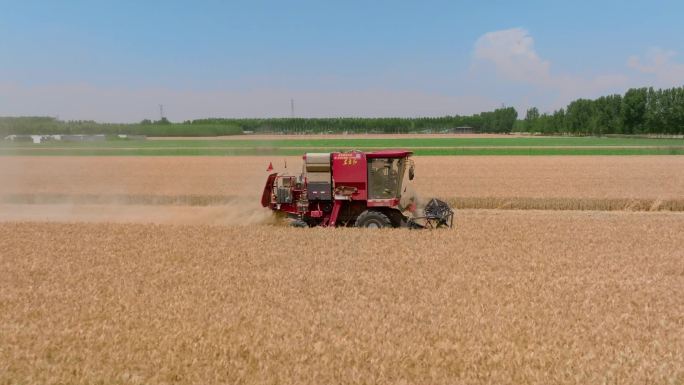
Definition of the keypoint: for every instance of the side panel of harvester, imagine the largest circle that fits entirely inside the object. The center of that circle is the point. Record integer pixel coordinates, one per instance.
(318, 176)
(268, 190)
(350, 188)
(349, 175)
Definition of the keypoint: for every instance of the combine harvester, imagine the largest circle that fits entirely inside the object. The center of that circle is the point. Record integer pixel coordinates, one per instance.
(361, 189)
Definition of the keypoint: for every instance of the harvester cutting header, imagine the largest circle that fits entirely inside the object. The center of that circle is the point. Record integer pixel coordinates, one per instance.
(362, 189)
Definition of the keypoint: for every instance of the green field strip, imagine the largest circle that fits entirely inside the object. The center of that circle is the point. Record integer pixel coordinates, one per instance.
(85, 151)
(365, 143)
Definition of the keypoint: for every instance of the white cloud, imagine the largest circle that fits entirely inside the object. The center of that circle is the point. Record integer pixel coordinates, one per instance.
(660, 64)
(514, 58)
(513, 55)
(118, 104)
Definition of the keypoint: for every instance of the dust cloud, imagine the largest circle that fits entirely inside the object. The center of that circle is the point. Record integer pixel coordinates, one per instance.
(232, 214)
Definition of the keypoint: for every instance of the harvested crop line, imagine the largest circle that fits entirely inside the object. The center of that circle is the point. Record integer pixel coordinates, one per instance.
(120, 199)
(591, 204)
(499, 203)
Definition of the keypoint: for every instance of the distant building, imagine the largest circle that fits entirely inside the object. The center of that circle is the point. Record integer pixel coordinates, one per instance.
(84, 138)
(132, 137)
(464, 130)
(20, 138)
(68, 138)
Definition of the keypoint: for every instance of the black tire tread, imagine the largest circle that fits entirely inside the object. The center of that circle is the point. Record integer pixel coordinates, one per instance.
(372, 214)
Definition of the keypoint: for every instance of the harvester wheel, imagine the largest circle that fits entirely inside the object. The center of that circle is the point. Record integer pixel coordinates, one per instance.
(373, 219)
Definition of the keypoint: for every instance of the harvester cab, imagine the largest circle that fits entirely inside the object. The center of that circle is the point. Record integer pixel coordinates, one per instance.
(362, 189)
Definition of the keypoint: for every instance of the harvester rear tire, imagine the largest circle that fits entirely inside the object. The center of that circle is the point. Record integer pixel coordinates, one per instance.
(372, 219)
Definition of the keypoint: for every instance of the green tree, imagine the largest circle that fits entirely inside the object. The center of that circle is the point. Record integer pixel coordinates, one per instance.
(531, 119)
(579, 116)
(634, 110)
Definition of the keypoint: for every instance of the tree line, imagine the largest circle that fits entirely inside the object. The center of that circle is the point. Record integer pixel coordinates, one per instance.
(53, 126)
(498, 121)
(639, 111)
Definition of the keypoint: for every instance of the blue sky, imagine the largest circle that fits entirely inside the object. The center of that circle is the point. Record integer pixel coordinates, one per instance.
(117, 61)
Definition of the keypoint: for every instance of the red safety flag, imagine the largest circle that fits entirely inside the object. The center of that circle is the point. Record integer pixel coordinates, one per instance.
(270, 166)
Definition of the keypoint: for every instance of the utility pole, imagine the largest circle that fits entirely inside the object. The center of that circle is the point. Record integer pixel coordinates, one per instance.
(292, 108)
(161, 112)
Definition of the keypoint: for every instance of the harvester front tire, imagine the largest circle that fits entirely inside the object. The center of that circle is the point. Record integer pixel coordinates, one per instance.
(373, 220)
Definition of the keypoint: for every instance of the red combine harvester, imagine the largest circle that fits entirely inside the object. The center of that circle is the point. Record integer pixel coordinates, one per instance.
(362, 189)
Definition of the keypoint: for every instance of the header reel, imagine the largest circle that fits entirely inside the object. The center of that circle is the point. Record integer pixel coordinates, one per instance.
(437, 213)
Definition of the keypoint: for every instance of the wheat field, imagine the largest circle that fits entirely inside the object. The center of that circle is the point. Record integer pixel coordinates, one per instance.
(511, 297)
(644, 183)
(166, 271)
(649, 177)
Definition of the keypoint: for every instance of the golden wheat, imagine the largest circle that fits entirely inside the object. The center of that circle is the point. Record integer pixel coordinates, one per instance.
(600, 177)
(511, 297)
